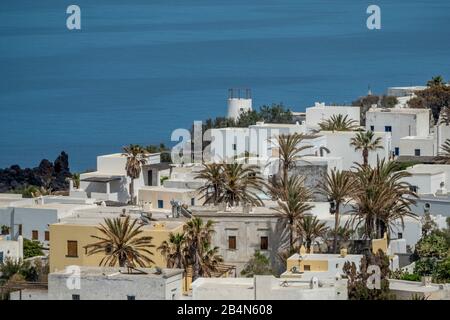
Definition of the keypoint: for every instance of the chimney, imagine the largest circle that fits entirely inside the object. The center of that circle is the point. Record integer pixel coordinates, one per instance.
(343, 253)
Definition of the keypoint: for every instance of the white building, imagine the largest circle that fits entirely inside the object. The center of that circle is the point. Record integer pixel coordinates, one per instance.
(97, 283)
(418, 146)
(338, 143)
(428, 178)
(184, 177)
(320, 112)
(31, 218)
(258, 141)
(110, 181)
(10, 249)
(435, 204)
(404, 91)
(430, 182)
(228, 143)
(323, 266)
(400, 123)
(162, 197)
(408, 290)
(268, 288)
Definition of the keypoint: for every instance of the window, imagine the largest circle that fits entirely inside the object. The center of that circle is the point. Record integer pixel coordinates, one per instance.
(47, 235)
(413, 188)
(388, 129)
(234, 146)
(75, 297)
(1, 256)
(232, 242)
(34, 235)
(337, 265)
(72, 249)
(150, 177)
(397, 151)
(307, 267)
(160, 204)
(108, 249)
(372, 128)
(20, 229)
(417, 152)
(131, 297)
(264, 243)
(400, 235)
(192, 201)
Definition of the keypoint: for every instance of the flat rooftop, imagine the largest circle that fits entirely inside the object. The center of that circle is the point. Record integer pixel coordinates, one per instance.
(121, 155)
(102, 178)
(245, 283)
(121, 273)
(417, 138)
(411, 286)
(233, 212)
(428, 169)
(164, 189)
(62, 207)
(163, 225)
(433, 197)
(323, 106)
(409, 88)
(322, 256)
(97, 215)
(398, 110)
(231, 129)
(6, 199)
(276, 125)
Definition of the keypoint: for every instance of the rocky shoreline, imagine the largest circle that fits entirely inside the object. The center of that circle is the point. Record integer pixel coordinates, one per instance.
(49, 175)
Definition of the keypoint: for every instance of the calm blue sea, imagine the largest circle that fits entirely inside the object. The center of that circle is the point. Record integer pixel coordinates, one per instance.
(139, 69)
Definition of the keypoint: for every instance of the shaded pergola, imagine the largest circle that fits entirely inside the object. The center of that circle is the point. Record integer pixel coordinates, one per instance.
(103, 179)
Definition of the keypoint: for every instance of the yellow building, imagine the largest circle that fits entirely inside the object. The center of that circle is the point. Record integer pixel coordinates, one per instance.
(331, 264)
(380, 244)
(69, 238)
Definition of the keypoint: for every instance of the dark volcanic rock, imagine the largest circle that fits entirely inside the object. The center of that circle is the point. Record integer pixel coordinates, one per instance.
(50, 175)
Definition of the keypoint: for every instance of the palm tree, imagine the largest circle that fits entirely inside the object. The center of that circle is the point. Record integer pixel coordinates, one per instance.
(121, 242)
(240, 184)
(344, 234)
(381, 197)
(76, 180)
(310, 228)
(136, 158)
(445, 116)
(444, 156)
(292, 203)
(289, 151)
(365, 141)
(175, 251)
(211, 190)
(436, 81)
(210, 260)
(338, 123)
(337, 186)
(197, 235)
